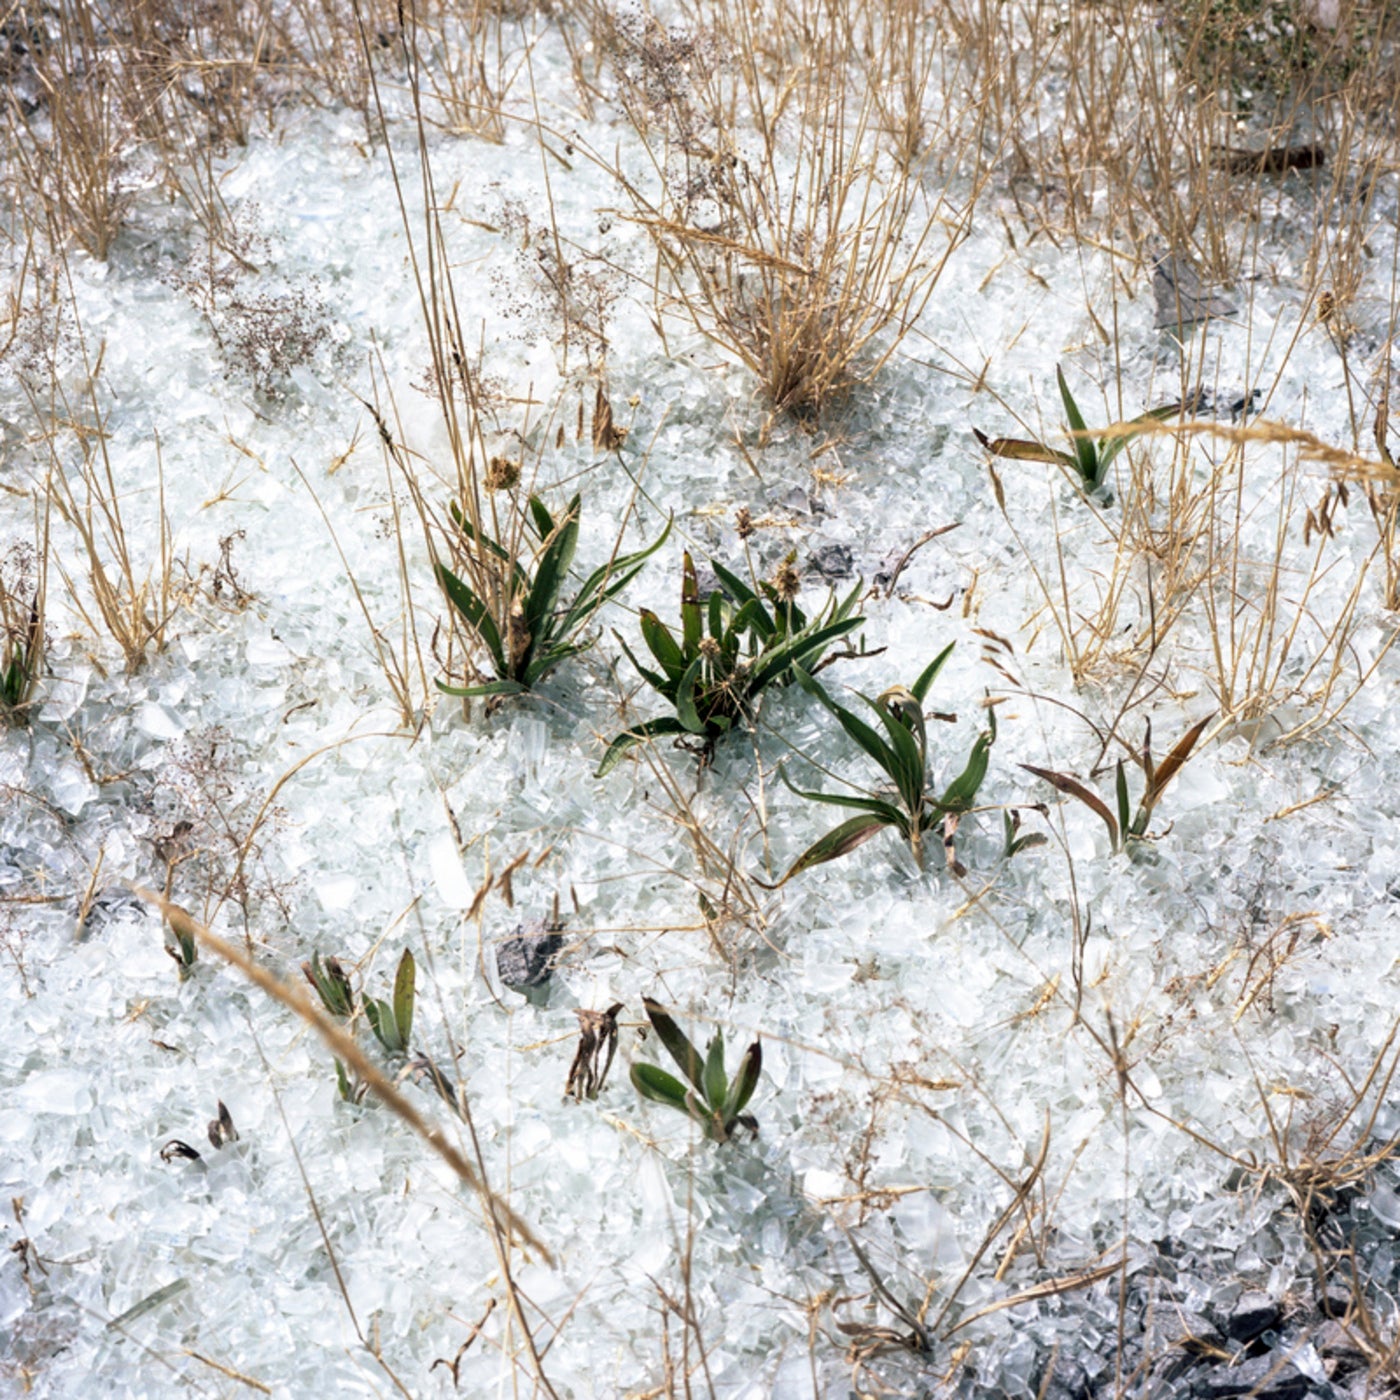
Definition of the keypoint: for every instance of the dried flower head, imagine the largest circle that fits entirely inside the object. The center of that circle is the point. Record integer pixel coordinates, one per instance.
(787, 582)
(743, 522)
(502, 474)
(710, 649)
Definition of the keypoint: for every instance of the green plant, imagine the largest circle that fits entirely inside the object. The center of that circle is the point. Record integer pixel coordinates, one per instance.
(1128, 826)
(528, 632)
(332, 985)
(392, 1022)
(1091, 458)
(912, 808)
(714, 1101)
(729, 651)
(21, 629)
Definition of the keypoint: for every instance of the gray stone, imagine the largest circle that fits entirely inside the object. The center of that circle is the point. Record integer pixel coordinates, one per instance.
(1253, 1314)
(525, 960)
(1262, 1378)
(832, 561)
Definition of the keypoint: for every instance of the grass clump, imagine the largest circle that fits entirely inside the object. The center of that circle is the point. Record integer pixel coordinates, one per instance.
(515, 612)
(713, 1100)
(912, 808)
(728, 652)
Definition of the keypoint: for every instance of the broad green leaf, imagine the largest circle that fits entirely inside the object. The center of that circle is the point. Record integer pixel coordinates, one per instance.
(799, 650)
(744, 1083)
(404, 982)
(909, 774)
(663, 685)
(663, 645)
(539, 515)
(690, 607)
(686, 712)
(486, 688)
(927, 676)
(838, 842)
(1120, 787)
(652, 1082)
(475, 614)
(676, 1042)
(380, 1016)
(638, 734)
(888, 810)
(961, 793)
(550, 570)
(607, 581)
(734, 585)
(857, 728)
(716, 1083)
(1086, 454)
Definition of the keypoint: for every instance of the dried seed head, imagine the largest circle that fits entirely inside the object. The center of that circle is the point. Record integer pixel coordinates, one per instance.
(787, 582)
(502, 474)
(710, 649)
(743, 522)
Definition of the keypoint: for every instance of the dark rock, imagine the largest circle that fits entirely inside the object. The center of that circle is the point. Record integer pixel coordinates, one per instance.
(832, 561)
(1262, 1378)
(1335, 1342)
(525, 960)
(1335, 1299)
(1252, 1314)
(1168, 1326)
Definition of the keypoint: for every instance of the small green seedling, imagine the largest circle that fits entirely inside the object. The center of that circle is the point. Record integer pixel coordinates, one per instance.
(728, 652)
(392, 1022)
(1128, 827)
(913, 807)
(1092, 456)
(21, 652)
(331, 984)
(714, 1101)
(530, 630)
(180, 945)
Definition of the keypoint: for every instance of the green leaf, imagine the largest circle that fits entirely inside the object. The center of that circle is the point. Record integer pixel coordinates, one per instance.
(663, 646)
(686, 711)
(1121, 789)
(888, 810)
(1085, 452)
(652, 1082)
(638, 734)
(550, 571)
(857, 728)
(380, 1016)
(745, 1082)
(961, 793)
(838, 842)
(607, 581)
(909, 774)
(663, 685)
(485, 688)
(676, 1043)
(475, 614)
(404, 982)
(803, 647)
(927, 676)
(716, 1083)
(735, 586)
(540, 518)
(690, 607)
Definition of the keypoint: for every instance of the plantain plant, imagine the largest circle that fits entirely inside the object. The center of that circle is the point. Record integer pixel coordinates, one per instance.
(523, 623)
(728, 652)
(913, 806)
(391, 1021)
(713, 1100)
(1091, 458)
(1127, 826)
